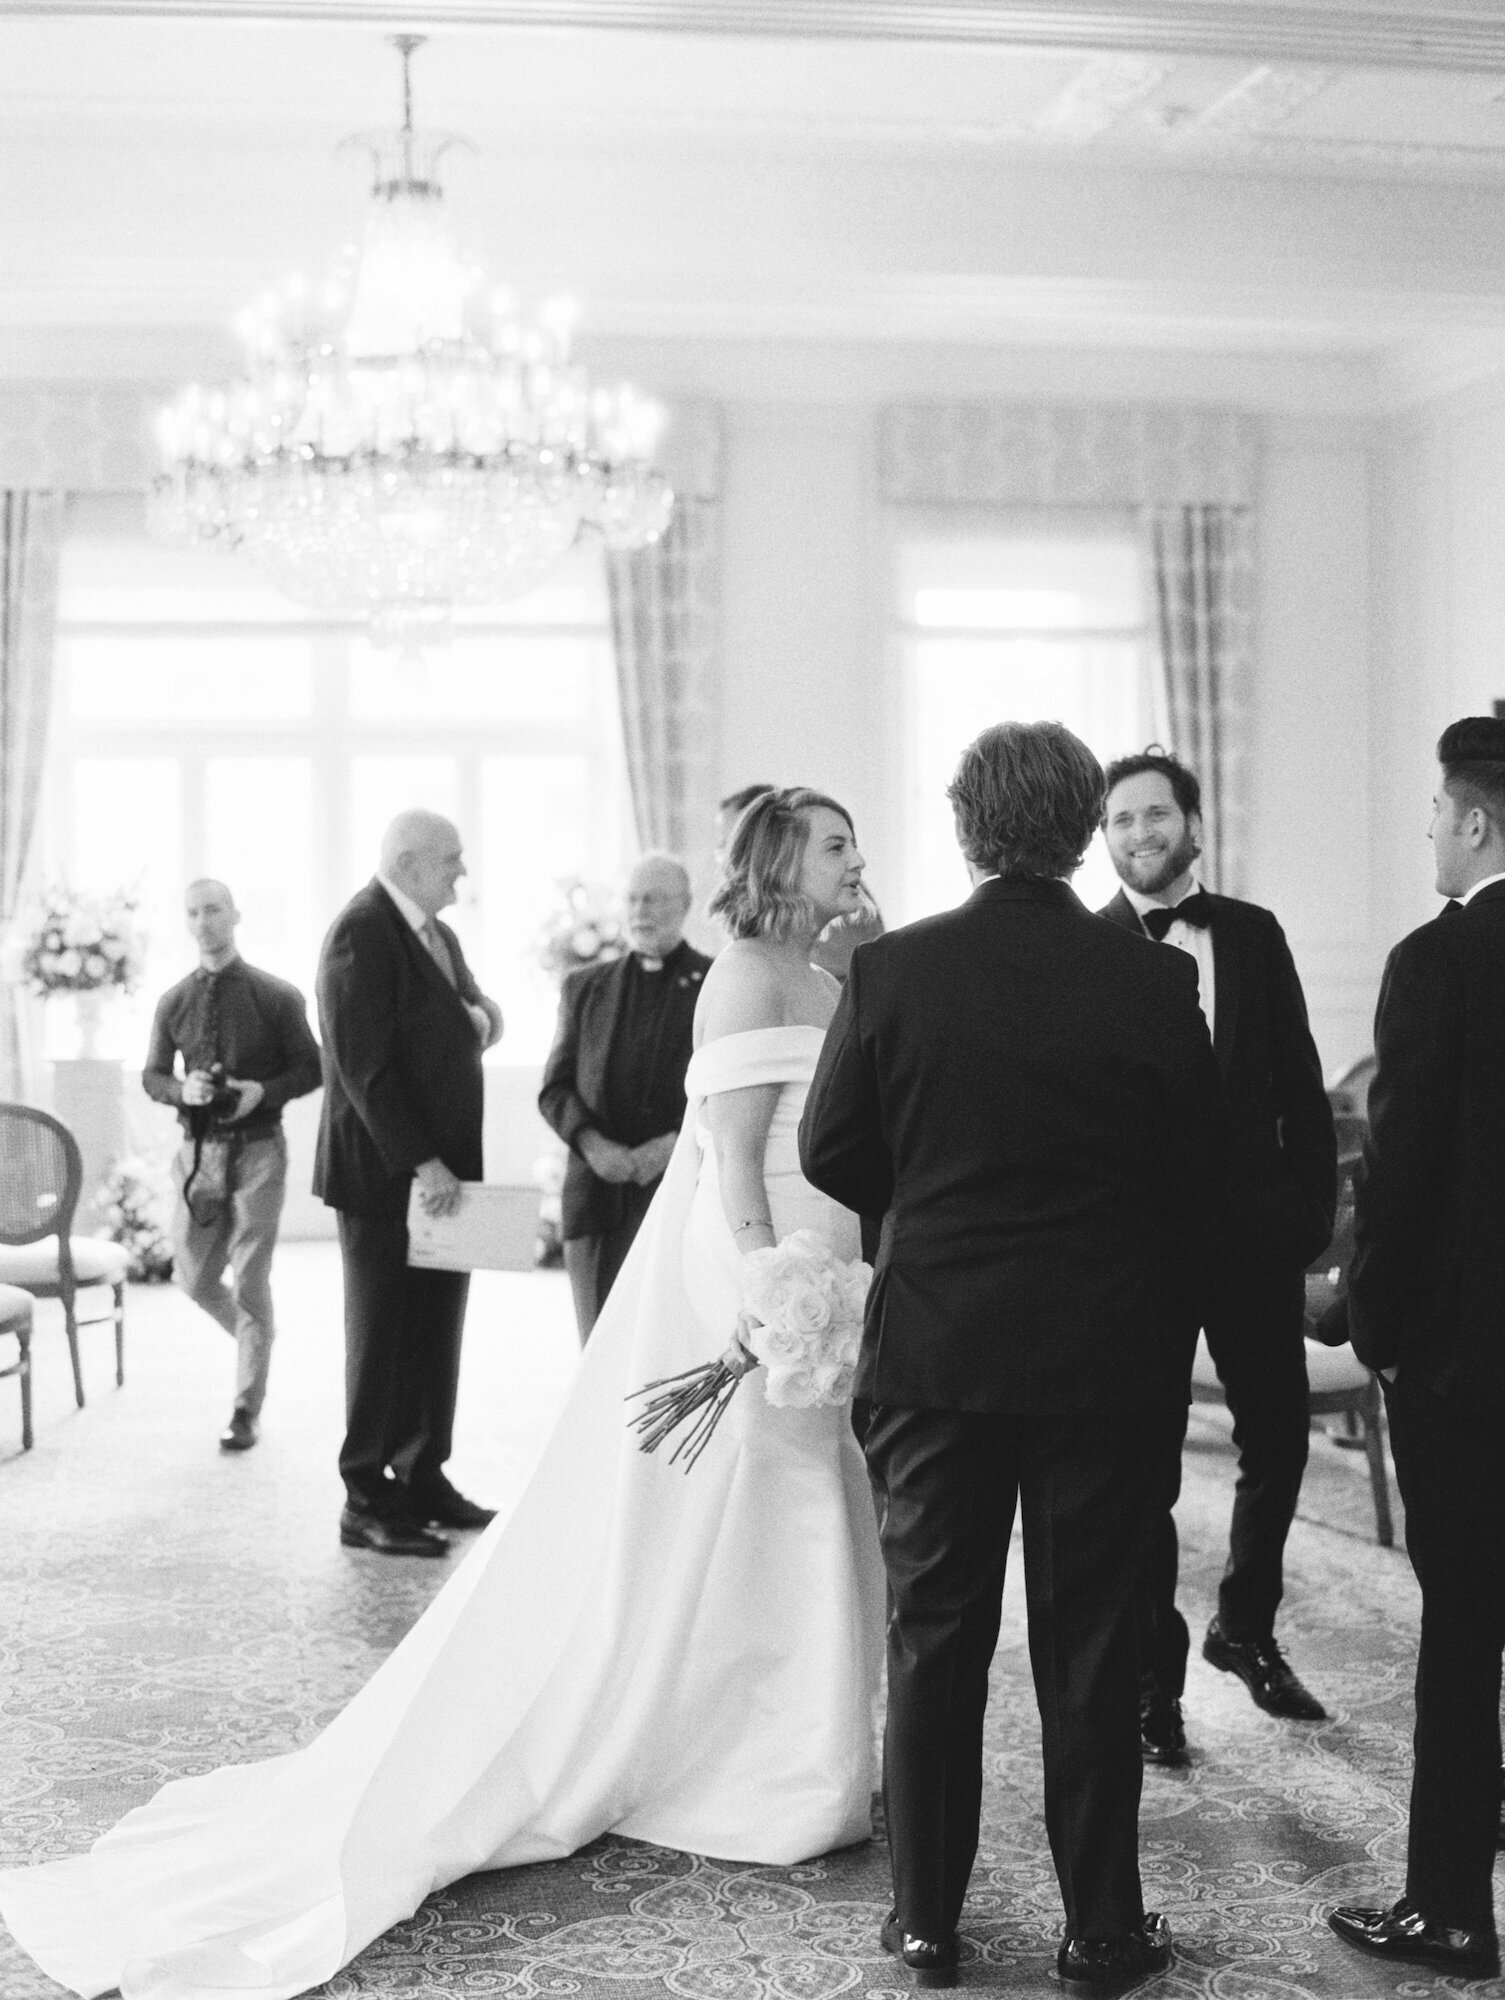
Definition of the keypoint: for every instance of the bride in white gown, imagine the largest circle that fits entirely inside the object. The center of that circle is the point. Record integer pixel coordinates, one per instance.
(689, 1660)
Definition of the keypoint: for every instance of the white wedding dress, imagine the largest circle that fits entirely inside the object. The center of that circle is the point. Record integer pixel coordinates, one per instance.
(685, 1659)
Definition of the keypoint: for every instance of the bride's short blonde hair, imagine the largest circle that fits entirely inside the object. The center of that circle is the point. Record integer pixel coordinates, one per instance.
(759, 893)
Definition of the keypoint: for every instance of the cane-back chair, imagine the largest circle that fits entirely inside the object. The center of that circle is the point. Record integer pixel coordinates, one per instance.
(15, 1321)
(41, 1175)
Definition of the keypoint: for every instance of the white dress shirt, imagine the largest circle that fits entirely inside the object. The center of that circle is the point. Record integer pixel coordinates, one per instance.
(1469, 894)
(1194, 939)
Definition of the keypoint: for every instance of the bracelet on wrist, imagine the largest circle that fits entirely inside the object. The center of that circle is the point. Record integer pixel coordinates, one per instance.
(755, 1222)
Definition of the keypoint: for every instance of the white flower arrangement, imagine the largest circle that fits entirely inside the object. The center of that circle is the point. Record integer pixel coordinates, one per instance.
(808, 1306)
(82, 944)
(582, 930)
(801, 1322)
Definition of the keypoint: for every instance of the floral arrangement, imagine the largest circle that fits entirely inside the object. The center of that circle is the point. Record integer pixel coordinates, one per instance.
(134, 1204)
(801, 1322)
(583, 929)
(80, 944)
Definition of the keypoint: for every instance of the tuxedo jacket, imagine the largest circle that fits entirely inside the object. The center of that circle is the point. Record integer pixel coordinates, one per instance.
(1427, 1288)
(402, 1060)
(1028, 1097)
(577, 1079)
(1283, 1155)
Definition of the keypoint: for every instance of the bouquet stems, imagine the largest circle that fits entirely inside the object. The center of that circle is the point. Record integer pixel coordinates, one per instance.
(700, 1397)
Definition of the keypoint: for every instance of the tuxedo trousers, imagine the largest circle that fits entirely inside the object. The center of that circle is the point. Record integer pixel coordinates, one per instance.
(402, 1366)
(592, 1261)
(948, 1484)
(1450, 1466)
(1258, 1346)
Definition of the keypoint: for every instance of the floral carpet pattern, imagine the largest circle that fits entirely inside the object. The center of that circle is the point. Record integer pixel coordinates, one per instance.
(165, 1608)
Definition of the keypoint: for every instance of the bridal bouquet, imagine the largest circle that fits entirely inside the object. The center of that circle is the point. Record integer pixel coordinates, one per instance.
(801, 1322)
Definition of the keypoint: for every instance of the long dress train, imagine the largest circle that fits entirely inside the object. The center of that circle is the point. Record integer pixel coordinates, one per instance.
(689, 1660)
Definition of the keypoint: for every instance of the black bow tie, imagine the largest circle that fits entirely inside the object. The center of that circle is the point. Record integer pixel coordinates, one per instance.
(1193, 909)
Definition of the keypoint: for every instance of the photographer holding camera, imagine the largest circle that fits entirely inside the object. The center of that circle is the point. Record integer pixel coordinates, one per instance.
(244, 1042)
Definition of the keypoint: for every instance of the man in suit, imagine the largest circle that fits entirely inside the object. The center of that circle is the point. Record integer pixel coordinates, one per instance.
(1426, 1307)
(614, 1084)
(1028, 1098)
(1284, 1180)
(404, 1027)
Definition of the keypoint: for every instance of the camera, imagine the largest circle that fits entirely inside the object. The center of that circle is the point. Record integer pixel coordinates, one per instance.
(223, 1104)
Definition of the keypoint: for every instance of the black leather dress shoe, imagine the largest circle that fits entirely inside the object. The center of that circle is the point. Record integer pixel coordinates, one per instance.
(1264, 1670)
(389, 1538)
(1092, 1967)
(931, 1963)
(445, 1508)
(1162, 1734)
(1402, 1933)
(240, 1433)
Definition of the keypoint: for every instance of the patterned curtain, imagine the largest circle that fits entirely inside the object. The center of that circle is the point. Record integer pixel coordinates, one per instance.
(664, 615)
(1201, 563)
(30, 537)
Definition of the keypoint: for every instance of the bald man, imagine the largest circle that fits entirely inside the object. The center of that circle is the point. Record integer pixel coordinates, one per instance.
(242, 1042)
(405, 1026)
(614, 1085)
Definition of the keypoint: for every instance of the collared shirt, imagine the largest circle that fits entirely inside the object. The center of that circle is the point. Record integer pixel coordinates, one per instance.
(1194, 939)
(247, 1019)
(1469, 894)
(411, 914)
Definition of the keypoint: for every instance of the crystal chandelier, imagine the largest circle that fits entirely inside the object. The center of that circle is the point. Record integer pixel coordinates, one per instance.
(403, 441)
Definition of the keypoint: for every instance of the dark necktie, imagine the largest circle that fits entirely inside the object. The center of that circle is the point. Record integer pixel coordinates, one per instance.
(1194, 909)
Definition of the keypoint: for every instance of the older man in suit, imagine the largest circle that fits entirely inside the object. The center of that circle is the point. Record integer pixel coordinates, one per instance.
(1283, 1162)
(1427, 1309)
(1029, 1100)
(404, 1027)
(614, 1084)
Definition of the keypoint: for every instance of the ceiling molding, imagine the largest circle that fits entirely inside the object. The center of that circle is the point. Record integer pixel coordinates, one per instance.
(1464, 35)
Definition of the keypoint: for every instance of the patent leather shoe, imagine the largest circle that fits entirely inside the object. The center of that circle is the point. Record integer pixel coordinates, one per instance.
(1403, 1934)
(1265, 1671)
(389, 1538)
(1162, 1733)
(1090, 1968)
(930, 1962)
(240, 1433)
(444, 1507)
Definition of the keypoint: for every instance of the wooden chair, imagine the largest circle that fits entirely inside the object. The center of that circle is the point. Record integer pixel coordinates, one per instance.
(41, 1175)
(15, 1319)
(1340, 1384)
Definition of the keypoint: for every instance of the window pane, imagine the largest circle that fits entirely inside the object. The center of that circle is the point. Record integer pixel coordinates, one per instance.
(127, 833)
(118, 575)
(511, 677)
(172, 679)
(260, 843)
(535, 829)
(1037, 577)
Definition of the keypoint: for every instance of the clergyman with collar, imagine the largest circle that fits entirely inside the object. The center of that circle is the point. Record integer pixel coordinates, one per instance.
(243, 1040)
(614, 1085)
(1283, 1181)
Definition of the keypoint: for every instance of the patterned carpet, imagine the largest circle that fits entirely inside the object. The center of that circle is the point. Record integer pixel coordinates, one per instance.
(164, 1608)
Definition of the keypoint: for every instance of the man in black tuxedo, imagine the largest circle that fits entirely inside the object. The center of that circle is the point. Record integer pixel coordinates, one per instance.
(404, 1028)
(1283, 1176)
(1028, 1098)
(1426, 1306)
(614, 1084)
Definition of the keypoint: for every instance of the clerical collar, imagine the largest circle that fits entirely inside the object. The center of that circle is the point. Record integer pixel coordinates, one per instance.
(1142, 903)
(648, 964)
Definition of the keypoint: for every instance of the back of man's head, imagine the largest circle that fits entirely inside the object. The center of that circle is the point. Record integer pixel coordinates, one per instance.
(1027, 797)
(1471, 752)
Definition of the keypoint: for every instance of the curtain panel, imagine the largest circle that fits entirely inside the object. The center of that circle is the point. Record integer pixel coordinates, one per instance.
(1201, 567)
(31, 527)
(666, 622)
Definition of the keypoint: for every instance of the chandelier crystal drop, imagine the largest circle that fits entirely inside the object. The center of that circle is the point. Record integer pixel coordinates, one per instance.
(402, 440)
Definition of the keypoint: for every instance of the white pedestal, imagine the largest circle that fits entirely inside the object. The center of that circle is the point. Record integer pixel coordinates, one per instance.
(87, 1095)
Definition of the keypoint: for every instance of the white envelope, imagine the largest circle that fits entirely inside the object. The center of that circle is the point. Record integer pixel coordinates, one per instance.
(473, 1238)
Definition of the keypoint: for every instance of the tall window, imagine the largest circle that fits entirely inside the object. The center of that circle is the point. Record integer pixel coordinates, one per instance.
(207, 726)
(1013, 617)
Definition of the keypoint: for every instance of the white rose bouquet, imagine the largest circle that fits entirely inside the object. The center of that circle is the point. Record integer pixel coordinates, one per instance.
(79, 944)
(801, 1322)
